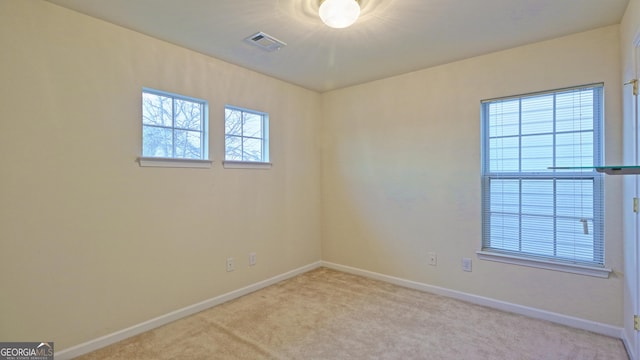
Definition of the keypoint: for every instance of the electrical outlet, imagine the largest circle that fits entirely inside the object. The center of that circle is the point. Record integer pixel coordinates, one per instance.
(432, 259)
(466, 264)
(252, 259)
(231, 264)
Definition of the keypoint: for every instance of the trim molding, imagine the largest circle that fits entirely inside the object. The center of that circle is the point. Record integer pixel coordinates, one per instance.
(627, 346)
(544, 264)
(578, 323)
(228, 164)
(92, 345)
(113, 338)
(147, 161)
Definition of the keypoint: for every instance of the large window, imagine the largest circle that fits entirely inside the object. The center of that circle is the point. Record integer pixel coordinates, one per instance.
(173, 126)
(530, 207)
(246, 135)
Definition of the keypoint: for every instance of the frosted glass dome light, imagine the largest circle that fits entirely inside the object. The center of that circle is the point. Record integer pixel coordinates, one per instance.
(339, 13)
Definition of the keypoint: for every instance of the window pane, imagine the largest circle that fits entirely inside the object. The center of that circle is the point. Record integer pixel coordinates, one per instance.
(537, 153)
(504, 155)
(574, 198)
(537, 197)
(537, 115)
(188, 144)
(157, 142)
(574, 149)
(505, 196)
(252, 149)
(233, 148)
(232, 122)
(173, 126)
(505, 232)
(504, 118)
(252, 125)
(573, 243)
(188, 115)
(246, 135)
(574, 111)
(156, 110)
(537, 235)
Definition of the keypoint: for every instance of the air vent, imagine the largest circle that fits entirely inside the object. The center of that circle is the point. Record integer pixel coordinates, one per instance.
(265, 42)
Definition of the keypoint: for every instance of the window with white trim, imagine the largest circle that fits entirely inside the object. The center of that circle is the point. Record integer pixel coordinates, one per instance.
(246, 135)
(173, 126)
(542, 198)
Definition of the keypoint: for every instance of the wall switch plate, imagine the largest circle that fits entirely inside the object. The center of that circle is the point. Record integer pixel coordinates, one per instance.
(231, 264)
(252, 259)
(432, 259)
(466, 264)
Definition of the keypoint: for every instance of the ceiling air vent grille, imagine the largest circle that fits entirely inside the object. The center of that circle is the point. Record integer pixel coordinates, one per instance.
(265, 42)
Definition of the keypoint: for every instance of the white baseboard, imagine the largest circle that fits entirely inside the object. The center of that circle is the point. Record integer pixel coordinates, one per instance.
(599, 328)
(112, 338)
(628, 347)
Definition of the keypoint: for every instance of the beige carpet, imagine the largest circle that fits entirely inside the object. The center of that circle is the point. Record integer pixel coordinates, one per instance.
(326, 314)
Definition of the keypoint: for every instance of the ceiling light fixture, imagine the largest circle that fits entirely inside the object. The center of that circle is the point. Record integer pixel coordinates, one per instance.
(339, 13)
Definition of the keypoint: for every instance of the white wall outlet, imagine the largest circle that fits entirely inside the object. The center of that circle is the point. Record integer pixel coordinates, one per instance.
(252, 259)
(466, 264)
(432, 258)
(231, 264)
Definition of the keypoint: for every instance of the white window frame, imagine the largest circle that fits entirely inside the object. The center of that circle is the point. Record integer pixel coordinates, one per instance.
(155, 161)
(264, 163)
(495, 253)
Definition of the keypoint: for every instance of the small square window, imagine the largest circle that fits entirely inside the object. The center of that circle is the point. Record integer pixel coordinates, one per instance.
(173, 126)
(246, 135)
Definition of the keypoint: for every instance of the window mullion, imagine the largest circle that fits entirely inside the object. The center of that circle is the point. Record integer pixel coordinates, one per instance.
(520, 214)
(555, 183)
(173, 126)
(520, 171)
(203, 133)
(242, 117)
(262, 139)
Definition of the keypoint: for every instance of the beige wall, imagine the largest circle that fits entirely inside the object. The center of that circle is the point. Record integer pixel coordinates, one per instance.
(91, 243)
(401, 173)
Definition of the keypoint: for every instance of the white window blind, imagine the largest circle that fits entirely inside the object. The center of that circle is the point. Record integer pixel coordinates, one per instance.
(528, 209)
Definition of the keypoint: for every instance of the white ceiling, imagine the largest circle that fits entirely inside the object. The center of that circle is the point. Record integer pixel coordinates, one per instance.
(391, 37)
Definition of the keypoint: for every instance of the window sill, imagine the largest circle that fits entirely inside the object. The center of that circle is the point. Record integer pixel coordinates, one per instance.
(246, 165)
(545, 264)
(173, 162)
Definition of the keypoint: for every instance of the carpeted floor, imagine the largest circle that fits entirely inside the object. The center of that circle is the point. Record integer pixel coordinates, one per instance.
(326, 314)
